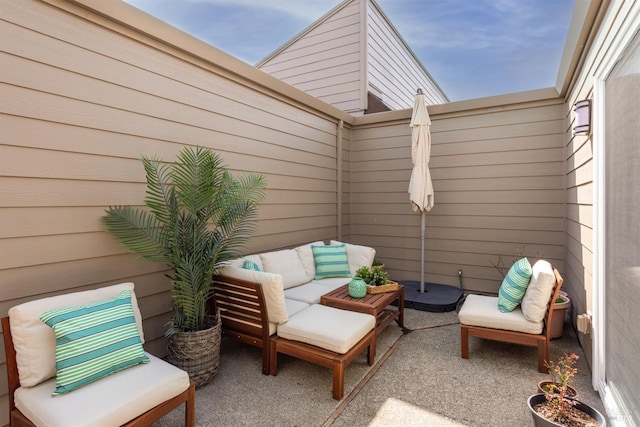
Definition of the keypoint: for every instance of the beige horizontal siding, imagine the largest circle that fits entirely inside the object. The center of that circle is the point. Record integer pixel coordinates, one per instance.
(579, 169)
(82, 103)
(498, 177)
(393, 69)
(84, 97)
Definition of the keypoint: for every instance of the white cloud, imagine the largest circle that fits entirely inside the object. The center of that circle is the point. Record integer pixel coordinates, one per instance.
(308, 10)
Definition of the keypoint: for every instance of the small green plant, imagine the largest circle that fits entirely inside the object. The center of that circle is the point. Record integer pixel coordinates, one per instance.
(374, 276)
(377, 263)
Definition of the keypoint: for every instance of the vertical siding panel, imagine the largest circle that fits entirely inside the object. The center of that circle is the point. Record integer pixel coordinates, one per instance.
(394, 71)
(324, 61)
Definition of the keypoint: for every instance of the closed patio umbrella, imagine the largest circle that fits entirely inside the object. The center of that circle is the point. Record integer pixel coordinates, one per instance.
(420, 186)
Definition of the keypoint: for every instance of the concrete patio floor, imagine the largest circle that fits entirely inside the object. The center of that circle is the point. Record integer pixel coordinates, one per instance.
(419, 378)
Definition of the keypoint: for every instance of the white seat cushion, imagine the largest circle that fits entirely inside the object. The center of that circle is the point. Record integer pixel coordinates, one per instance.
(327, 327)
(480, 310)
(294, 306)
(111, 401)
(309, 292)
(333, 282)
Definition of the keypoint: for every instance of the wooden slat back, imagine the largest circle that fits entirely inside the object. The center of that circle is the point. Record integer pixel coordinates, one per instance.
(241, 306)
(554, 296)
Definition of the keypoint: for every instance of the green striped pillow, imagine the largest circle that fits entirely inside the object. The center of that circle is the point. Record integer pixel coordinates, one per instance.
(94, 341)
(250, 265)
(331, 261)
(514, 285)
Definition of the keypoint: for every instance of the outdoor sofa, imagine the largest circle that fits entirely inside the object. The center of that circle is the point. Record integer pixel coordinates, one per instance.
(272, 301)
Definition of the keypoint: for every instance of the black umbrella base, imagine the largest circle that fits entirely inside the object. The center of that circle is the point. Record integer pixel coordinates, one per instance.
(435, 298)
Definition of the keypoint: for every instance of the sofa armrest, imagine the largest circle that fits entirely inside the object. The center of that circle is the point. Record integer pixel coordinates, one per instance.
(243, 312)
(272, 289)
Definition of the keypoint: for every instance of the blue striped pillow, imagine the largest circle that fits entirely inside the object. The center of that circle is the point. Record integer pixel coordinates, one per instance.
(331, 261)
(250, 265)
(514, 285)
(94, 341)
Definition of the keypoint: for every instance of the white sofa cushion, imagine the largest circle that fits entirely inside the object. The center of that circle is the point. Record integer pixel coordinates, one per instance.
(309, 293)
(286, 263)
(481, 310)
(327, 327)
(358, 256)
(333, 283)
(294, 306)
(536, 298)
(271, 288)
(35, 342)
(305, 253)
(112, 401)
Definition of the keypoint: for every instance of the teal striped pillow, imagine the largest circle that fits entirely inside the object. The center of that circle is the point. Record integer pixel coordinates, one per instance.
(331, 261)
(94, 341)
(514, 285)
(250, 265)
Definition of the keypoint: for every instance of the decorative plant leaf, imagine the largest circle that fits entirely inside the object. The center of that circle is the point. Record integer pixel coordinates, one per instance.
(198, 217)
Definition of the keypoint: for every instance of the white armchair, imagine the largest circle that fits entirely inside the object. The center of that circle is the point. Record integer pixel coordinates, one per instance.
(136, 395)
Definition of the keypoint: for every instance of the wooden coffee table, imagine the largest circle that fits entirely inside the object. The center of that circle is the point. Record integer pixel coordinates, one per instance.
(374, 304)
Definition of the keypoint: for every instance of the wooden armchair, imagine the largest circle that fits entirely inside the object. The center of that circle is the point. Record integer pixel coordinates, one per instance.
(480, 317)
(136, 396)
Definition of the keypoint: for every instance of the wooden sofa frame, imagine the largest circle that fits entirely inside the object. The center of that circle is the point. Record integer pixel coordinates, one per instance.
(541, 341)
(328, 359)
(18, 419)
(243, 312)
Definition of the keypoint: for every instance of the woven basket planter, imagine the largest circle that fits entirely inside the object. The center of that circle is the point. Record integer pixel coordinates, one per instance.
(389, 287)
(197, 353)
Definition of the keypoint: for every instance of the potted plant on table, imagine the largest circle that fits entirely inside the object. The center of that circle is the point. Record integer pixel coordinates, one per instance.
(198, 217)
(555, 407)
(377, 279)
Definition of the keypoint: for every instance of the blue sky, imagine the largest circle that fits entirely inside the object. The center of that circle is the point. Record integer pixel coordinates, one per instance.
(472, 48)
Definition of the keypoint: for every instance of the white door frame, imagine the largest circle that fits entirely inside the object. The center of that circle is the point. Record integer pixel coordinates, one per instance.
(618, 48)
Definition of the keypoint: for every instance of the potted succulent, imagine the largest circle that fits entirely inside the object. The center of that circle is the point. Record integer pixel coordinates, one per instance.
(377, 264)
(377, 279)
(554, 407)
(197, 217)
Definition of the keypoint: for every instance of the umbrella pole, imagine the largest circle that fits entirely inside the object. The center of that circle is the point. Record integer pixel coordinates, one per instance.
(422, 233)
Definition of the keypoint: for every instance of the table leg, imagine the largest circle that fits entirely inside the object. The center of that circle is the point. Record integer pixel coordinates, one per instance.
(401, 309)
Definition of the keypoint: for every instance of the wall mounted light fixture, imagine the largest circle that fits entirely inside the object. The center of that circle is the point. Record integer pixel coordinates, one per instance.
(582, 124)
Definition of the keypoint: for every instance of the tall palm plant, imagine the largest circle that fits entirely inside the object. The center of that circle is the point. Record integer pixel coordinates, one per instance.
(198, 216)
